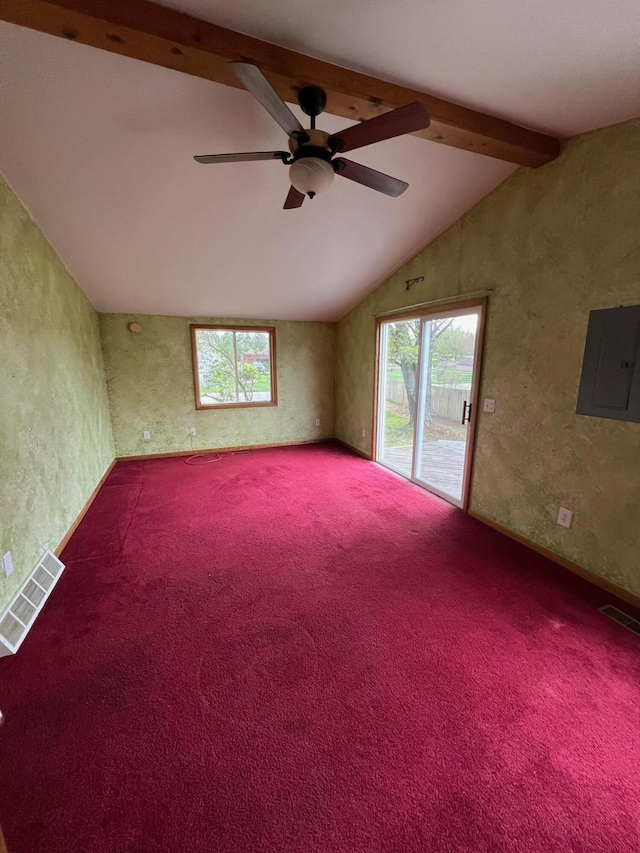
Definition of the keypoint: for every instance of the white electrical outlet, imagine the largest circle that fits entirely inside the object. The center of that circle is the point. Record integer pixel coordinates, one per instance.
(489, 405)
(364, 433)
(146, 435)
(564, 517)
(8, 564)
(192, 431)
(317, 421)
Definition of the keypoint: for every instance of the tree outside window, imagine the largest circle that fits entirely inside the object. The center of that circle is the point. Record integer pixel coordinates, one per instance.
(234, 366)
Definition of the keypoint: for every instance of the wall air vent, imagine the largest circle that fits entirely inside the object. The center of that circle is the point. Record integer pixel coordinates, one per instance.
(19, 616)
(624, 619)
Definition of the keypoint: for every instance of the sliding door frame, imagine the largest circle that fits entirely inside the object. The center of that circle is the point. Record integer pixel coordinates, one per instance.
(457, 306)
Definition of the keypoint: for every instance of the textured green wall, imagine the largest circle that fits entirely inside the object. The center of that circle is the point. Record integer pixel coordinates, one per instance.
(552, 244)
(55, 433)
(150, 384)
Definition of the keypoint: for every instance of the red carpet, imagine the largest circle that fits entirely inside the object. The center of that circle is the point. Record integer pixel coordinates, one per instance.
(296, 651)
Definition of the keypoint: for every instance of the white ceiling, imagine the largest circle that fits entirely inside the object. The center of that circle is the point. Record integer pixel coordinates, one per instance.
(99, 148)
(558, 66)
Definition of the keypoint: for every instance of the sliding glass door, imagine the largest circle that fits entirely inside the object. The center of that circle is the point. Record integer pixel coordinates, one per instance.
(398, 373)
(427, 371)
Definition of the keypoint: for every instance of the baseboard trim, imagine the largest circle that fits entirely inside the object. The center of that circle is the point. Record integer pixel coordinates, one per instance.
(81, 515)
(353, 449)
(586, 574)
(207, 450)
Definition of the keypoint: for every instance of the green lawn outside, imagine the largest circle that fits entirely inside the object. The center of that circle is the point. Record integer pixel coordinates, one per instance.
(263, 383)
(395, 433)
(394, 375)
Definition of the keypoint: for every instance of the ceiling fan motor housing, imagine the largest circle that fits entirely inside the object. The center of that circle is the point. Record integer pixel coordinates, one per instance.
(312, 161)
(311, 143)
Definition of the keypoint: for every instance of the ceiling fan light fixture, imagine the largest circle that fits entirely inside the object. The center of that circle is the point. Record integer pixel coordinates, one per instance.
(311, 175)
(311, 156)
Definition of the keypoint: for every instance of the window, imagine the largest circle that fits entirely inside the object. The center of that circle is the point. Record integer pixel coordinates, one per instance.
(234, 366)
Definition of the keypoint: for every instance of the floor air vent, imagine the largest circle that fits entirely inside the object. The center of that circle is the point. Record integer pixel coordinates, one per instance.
(19, 616)
(623, 618)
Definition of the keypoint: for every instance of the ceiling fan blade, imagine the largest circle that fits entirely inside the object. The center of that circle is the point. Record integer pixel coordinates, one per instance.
(240, 158)
(395, 123)
(370, 178)
(254, 80)
(294, 199)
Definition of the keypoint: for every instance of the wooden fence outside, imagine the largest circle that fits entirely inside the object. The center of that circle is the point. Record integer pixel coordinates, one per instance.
(445, 402)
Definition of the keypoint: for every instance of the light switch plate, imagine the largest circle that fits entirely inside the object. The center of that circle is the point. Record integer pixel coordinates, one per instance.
(8, 564)
(489, 405)
(564, 517)
(146, 435)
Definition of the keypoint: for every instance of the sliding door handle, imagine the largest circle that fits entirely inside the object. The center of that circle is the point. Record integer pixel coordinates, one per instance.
(466, 412)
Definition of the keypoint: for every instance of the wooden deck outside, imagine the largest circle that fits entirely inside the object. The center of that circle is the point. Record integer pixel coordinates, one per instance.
(442, 464)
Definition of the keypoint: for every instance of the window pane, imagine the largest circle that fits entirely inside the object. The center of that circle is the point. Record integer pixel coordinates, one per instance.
(233, 366)
(254, 367)
(216, 366)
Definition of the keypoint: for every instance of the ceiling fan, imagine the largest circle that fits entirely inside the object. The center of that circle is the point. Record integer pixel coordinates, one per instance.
(312, 153)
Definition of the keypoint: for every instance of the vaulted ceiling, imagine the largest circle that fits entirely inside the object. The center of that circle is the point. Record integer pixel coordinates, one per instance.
(99, 147)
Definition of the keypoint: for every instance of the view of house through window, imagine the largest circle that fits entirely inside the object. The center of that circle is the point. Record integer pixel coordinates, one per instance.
(234, 366)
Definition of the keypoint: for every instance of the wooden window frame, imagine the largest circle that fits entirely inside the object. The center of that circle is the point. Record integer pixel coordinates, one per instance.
(271, 330)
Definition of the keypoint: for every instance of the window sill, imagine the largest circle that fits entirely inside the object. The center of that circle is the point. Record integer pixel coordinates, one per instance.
(211, 406)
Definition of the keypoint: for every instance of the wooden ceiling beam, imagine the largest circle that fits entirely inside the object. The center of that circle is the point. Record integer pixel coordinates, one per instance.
(162, 36)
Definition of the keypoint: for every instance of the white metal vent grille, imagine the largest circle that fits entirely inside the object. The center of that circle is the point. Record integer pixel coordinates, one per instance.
(42, 577)
(19, 616)
(33, 592)
(624, 619)
(51, 564)
(11, 629)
